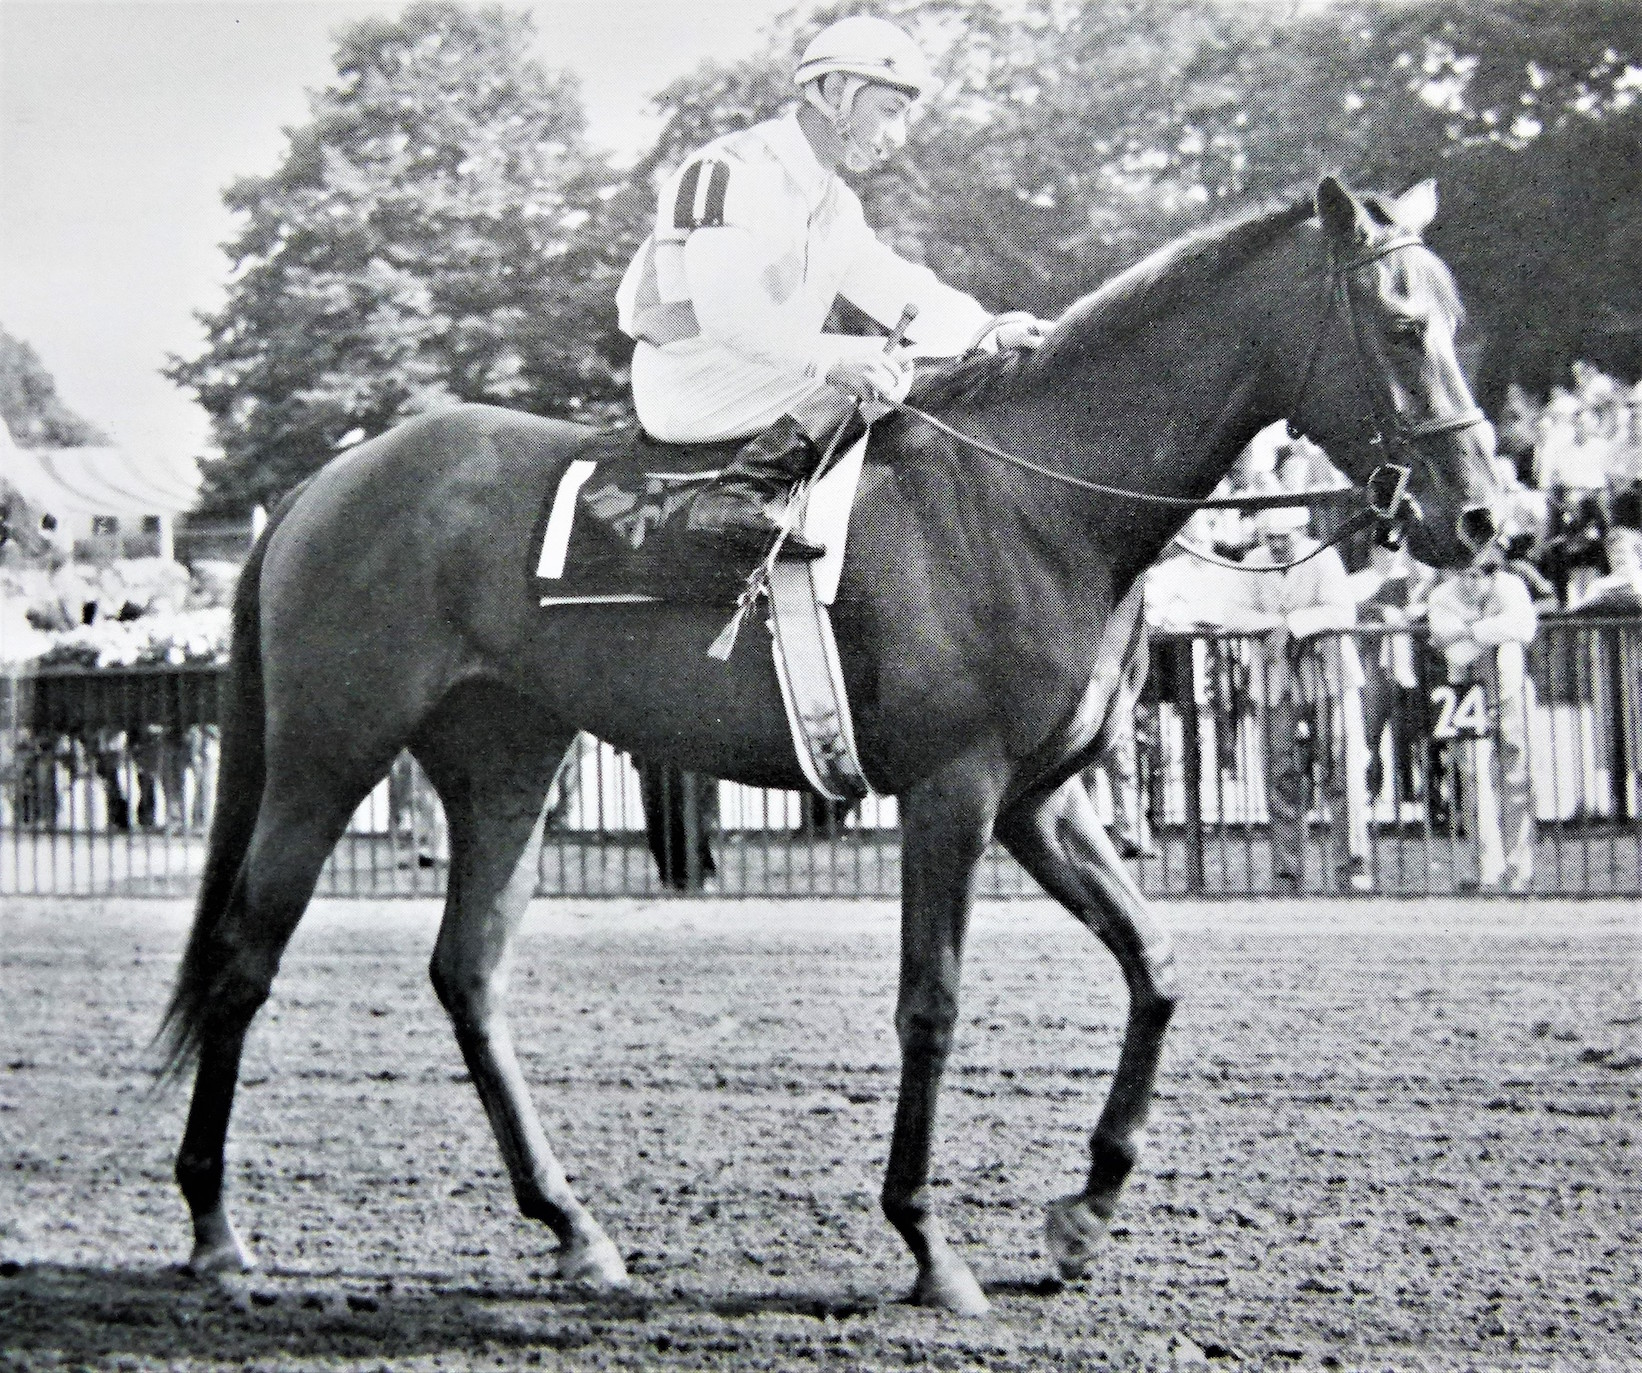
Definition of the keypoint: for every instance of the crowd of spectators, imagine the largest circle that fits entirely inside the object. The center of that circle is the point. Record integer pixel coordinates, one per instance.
(101, 611)
(1342, 650)
(1574, 470)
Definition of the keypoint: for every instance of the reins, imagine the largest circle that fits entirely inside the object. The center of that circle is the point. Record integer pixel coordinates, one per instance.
(1403, 437)
(1267, 501)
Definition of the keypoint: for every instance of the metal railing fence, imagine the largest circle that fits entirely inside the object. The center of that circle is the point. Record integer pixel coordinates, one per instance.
(1351, 763)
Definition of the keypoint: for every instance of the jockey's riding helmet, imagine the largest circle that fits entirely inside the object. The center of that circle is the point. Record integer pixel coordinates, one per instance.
(872, 49)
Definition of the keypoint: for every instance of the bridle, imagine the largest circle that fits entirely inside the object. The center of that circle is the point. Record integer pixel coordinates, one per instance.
(1386, 490)
(1392, 430)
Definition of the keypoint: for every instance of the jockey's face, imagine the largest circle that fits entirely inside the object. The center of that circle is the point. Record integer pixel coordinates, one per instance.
(880, 120)
(868, 122)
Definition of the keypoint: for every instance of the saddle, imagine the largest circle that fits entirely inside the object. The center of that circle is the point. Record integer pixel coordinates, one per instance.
(613, 526)
(614, 529)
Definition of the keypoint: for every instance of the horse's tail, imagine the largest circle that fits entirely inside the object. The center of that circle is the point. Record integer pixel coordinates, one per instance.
(241, 768)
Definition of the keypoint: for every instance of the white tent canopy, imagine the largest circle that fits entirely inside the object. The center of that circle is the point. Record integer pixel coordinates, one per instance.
(79, 482)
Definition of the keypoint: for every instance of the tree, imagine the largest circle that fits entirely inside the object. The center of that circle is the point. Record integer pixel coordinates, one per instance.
(1545, 241)
(434, 233)
(30, 405)
(1069, 140)
(438, 230)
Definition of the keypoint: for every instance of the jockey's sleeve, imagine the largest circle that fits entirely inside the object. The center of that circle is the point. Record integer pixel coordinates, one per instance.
(729, 288)
(881, 282)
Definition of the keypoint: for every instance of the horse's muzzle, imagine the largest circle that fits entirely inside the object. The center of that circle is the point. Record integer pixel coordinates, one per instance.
(1476, 527)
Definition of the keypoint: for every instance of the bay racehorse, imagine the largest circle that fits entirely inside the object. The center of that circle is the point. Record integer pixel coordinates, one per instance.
(988, 622)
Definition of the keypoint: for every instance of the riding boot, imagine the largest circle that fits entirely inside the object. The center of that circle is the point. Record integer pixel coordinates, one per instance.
(736, 505)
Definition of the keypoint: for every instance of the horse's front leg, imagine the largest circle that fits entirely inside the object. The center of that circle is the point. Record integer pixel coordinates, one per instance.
(946, 824)
(1059, 840)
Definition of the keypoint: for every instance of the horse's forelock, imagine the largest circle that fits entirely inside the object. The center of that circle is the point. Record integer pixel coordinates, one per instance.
(1432, 272)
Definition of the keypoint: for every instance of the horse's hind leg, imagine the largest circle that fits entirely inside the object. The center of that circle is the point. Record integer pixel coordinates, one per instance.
(492, 758)
(1060, 841)
(303, 812)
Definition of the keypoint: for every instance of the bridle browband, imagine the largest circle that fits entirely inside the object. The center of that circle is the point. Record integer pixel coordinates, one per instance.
(1392, 431)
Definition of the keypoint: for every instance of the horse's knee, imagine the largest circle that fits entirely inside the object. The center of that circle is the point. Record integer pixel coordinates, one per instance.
(1155, 1008)
(925, 1028)
(1158, 995)
(455, 992)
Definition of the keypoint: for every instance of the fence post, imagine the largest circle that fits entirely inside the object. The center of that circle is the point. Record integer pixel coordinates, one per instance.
(1619, 762)
(1191, 766)
(692, 832)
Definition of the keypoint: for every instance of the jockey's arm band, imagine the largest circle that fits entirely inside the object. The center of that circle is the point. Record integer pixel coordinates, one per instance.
(700, 200)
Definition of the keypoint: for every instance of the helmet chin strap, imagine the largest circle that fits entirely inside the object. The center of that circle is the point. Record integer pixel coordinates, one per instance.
(858, 157)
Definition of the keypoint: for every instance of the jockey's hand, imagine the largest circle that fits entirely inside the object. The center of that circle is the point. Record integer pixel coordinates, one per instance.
(1020, 331)
(1017, 329)
(879, 376)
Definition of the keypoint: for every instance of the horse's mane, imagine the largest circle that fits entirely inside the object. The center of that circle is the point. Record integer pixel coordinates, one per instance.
(1179, 271)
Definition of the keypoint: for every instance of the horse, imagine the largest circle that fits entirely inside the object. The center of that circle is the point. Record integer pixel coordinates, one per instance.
(988, 624)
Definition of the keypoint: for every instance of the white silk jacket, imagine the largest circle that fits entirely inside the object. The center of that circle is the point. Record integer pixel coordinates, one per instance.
(753, 242)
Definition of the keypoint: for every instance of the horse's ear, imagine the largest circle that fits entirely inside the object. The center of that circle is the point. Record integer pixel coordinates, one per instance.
(1416, 207)
(1345, 219)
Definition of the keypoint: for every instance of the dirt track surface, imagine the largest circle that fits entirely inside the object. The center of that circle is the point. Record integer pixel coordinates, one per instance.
(1388, 1136)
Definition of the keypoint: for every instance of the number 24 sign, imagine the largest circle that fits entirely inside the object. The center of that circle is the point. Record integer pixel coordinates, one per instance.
(1460, 716)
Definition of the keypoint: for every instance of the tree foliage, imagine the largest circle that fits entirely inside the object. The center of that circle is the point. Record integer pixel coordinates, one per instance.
(432, 234)
(30, 405)
(1544, 241)
(438, 230)
(1070, 139)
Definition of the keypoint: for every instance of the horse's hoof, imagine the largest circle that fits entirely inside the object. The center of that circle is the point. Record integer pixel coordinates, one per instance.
(218, 1250)
(951, 1287)
(593, 1263)
(1074, 1231)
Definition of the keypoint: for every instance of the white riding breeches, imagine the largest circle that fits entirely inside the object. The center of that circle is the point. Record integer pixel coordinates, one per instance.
(694, 391)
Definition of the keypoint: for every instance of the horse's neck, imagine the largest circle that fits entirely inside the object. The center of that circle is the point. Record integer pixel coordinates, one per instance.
(1168, 416)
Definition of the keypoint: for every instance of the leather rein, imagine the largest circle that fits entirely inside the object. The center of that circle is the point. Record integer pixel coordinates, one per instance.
(1392, 432)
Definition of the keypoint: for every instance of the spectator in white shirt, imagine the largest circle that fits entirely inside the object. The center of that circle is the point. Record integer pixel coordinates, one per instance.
(1308, 673)
(1482, 621)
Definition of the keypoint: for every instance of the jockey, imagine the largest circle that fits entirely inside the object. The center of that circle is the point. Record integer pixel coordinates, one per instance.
(755, 237)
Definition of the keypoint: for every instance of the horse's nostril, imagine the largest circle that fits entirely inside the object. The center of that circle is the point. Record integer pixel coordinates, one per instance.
(1476, 527)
